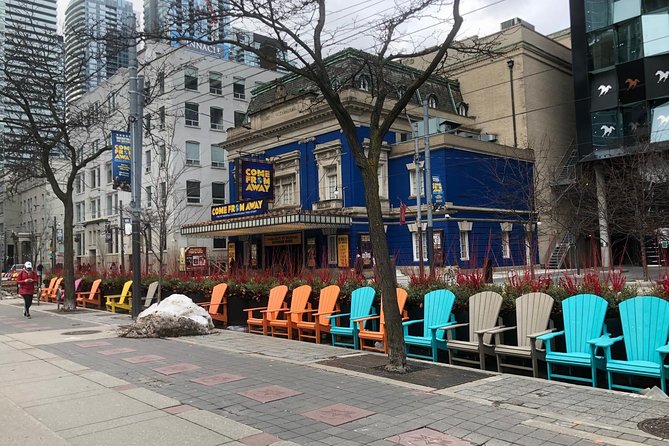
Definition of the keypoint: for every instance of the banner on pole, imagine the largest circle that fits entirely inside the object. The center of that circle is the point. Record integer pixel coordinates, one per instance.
(121, 160)
(437, 191)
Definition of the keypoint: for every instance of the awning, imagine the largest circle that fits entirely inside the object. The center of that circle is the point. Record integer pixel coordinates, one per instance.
(267, 224)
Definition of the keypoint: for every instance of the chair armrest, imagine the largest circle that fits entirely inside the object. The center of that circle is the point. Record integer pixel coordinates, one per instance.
(549, 336)
(540, 333)
(339, 315)
(204, 304)
(362, 319)
(301, 311)
(449, 327)
(604, 341)
(495, 330)
(255, 309)
(663, 350)
(325, 313)
(415, 321)
(441, 326)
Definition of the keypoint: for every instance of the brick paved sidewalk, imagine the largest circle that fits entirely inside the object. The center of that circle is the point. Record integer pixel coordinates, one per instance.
(277, 387)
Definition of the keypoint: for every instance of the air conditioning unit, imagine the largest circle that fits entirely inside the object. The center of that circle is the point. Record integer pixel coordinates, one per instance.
(488, 137)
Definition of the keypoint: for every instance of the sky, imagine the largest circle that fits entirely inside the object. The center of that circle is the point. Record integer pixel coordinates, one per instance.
(481, 17)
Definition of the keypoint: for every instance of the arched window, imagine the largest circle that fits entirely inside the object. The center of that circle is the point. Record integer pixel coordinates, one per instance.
(364, 82)
(463, 108)
(432, 101)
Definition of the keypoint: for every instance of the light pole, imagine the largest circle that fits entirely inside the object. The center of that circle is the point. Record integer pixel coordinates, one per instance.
(53, 246)
(510, 64)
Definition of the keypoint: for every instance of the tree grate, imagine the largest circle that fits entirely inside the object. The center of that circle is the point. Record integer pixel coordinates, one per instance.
(656, 426)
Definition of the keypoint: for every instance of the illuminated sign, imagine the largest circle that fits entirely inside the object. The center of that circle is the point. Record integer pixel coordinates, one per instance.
(121, 160)
(255, 179)
(239, 209)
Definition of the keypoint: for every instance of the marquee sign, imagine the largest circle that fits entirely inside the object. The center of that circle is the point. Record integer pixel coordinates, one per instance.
(239, 209)
(255, 180)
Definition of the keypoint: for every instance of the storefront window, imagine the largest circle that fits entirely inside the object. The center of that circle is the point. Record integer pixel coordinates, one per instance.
(597, 14)
(659, 127)
(625, 9)
(655, 33)
(601, 49)
(629, 41)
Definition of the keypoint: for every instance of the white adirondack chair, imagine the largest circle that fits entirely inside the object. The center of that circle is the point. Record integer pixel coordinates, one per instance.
(150, 294)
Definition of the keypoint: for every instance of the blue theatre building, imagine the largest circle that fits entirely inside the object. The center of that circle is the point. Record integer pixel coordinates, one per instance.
(296, 197)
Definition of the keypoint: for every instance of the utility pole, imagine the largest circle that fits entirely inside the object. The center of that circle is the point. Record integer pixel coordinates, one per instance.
(122, 234)
(53, 247)
(136, 85)
(428, 193)
(510, 63)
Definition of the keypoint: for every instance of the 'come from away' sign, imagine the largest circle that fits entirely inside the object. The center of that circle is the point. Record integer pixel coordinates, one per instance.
(239, 209)
(255, 179)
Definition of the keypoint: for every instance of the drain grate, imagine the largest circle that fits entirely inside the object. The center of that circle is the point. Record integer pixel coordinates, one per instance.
(656, 426)
(81, 332)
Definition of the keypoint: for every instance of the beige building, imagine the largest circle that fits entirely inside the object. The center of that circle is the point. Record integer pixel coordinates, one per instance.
(539, 116)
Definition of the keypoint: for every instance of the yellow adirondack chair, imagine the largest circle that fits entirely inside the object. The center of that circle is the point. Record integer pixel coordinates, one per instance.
(122, 301)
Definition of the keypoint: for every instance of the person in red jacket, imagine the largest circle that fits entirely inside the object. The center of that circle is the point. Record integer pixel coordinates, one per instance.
(27, 279)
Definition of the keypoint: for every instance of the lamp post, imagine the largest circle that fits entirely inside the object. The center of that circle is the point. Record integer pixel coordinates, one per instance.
(510, 64)
(53, 246)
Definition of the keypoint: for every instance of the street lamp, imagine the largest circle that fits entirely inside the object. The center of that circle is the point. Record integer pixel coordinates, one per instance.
(510, 64)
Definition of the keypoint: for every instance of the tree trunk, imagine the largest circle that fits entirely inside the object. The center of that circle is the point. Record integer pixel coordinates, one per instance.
(393, 321)
(69, 303)
(644, 258)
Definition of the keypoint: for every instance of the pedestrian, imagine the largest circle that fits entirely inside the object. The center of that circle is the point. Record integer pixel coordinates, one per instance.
(26, 280)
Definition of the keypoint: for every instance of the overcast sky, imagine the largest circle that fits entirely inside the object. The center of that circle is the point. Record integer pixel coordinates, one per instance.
(484, 18)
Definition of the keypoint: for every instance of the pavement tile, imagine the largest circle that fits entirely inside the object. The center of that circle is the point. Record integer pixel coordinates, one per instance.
(142, 359)
(270, 393)
(179, 409)
(338, 414)
(262, 439)
(123, 387)
(221, 378)
(176, 368)
(116, 351)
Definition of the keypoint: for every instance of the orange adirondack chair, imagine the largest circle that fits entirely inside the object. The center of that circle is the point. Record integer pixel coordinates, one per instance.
(268, 313)
(44, 293)
(218, 300)
(379, 336)
(52, 296)
(92, 297)
(320, 323)
(298, 302)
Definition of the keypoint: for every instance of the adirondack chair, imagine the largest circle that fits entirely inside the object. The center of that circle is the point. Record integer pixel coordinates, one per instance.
(483, 314)
(90, 298)
(583, 316)
(218, 301)
(361, 306)
(437, 307)
(645, 324)
(53, 294)
(45, 292)
(327, 305)
(120, 301)
(533, 311)
(150, 294)
(60, 296)
(369, 338)
(298, 302)
(268, 313)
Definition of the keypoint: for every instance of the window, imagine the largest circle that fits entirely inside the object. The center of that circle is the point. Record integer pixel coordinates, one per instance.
(193, 153)
(240, 118)
(655, 33)
(414, 241)
(162, 154)
(79, 212)
(92, 180)
(464, 245)
(108, 172)
(382, 176)
(94, 213)
(660, 123)
(110, 205)
(216, 118)
(215, 83)
(332, 250)
(217, 157)
(220, 243)
(597, 14)
(147, 124)
(192, 114)
(192, 192)
(629, 41)
(218, 193)
(190, 78)
(161, 82)
(149, 196)
(506, 247)
(239, 88)
(284, 190)
(364, 83)
(432, 101)
(147, 161)
(161, 117)
(331, 189)
(601, 50)
(625, 9)
(79, 184)
(606, 130)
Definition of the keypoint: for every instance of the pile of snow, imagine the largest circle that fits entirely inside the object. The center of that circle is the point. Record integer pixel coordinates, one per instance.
(176, 315)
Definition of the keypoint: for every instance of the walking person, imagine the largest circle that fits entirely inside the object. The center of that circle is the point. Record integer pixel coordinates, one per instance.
(26, 280)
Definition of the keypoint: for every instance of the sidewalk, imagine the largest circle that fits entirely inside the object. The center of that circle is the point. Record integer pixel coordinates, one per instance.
(75, 383)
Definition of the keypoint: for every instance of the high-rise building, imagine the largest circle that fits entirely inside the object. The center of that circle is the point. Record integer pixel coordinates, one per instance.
(96, 42)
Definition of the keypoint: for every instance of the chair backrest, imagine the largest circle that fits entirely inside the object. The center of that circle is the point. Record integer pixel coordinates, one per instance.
(326, 302)
(52, 285)
(150, 293)
(56, 286)
(532, 313)
(125, 291)
(217, 294)
(276, 298)
(298, 301)
(401, 302)
(361, 303)
(483, 313)
(645, 322)
(437, 308)
(76, 284)
(94, 289)
(583, 316)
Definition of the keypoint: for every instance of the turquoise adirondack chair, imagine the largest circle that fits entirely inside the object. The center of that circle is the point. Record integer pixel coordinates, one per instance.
(437, 307)
(361, 306)
(583, 316)
(645, 323)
